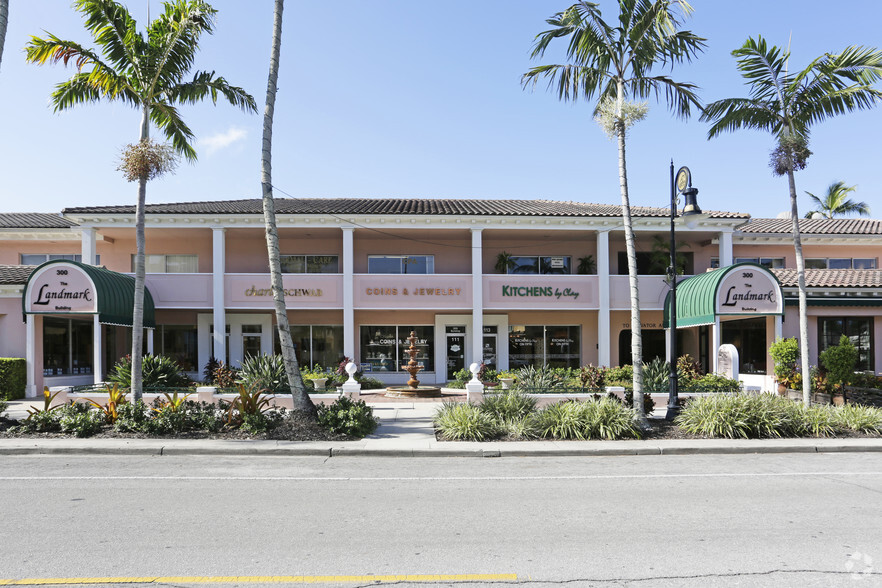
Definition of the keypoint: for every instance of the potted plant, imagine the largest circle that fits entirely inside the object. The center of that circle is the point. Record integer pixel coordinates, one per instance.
(586, 265)
(504, 262)
(506, 378)
(820, 386)
(785, 353)
(839, 361)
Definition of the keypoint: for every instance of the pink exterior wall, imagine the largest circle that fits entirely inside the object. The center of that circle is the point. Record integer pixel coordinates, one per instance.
(246, 248)
(540, 292)
(118, 256)
(452, 248)
(180, 290)
(787, 252)
(523, 242)
(12, 328)
(10, 251)
(413, 291)
(303, 291)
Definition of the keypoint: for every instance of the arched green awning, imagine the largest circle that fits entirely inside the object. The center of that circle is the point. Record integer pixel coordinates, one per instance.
(743, 289)
(71, 287)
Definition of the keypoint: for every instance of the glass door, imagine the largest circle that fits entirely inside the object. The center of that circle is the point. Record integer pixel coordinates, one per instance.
(455, 351)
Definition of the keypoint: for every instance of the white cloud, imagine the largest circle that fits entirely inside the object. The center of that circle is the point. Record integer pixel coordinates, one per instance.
(219, 141)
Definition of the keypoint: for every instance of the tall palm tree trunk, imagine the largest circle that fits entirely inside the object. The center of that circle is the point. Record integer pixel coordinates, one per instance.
(4, 20)
(300, 398)
(636, 334)
(800, 282)
(140, 242)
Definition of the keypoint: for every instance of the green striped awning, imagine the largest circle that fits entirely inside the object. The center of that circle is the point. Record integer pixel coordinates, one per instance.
(743, 289)
(71, 287)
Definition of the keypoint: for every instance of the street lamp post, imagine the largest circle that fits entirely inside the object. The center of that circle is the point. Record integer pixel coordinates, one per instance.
(680, 184)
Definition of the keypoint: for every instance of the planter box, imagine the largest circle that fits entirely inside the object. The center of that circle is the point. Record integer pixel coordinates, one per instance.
(820, 398)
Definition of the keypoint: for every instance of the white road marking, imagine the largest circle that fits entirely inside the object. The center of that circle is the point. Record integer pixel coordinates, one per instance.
(437, 478)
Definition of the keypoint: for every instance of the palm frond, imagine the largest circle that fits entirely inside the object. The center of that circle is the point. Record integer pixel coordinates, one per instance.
(84, 87)
(731, 114)
(169, 121)
(572, 81)
(679, 96)
(114, 29)
(207, 84)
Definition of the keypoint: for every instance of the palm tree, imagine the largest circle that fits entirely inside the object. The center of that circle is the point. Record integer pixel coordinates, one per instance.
(837, 203)
(787, 105)
(614, 62)
(4, 20)
(295, 380)
(146, 71)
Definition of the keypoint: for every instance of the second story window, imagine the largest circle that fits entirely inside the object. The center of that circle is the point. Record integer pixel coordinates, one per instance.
(401, 264)
(767, 262)
(840, 263)
(38, 258)
(310, 264)
(169, 264)
(540, 264)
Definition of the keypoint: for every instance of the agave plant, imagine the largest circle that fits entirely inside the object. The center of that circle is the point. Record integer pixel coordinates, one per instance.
(541, 379)
(656, 376)
(158, 372)
(265, 373)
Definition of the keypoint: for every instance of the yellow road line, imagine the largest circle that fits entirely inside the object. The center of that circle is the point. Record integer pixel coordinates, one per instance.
(259, 579)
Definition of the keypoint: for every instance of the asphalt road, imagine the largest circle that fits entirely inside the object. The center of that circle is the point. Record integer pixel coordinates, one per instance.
(741, 520)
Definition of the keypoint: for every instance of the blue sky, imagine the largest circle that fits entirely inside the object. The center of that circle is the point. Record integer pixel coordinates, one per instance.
(395, 98)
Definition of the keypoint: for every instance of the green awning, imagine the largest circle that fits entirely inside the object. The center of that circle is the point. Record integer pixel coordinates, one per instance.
(71, 287)
(748, 290)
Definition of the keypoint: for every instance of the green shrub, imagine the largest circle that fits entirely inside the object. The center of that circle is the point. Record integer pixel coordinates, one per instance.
(157, 372)
(712, 383)
(752, 417)
(355, 419)
(79, 420)
(539, 380)
(265, 373)
(13, 378)
(462, 421)
(785, 353)
(593, 419)
(3, 406)
(863, 419)
(656, 376)
(41, 421)
(508, 405)
(840, 361)
(623, 373)
(369, 383)
(132, 417)
(648, 402)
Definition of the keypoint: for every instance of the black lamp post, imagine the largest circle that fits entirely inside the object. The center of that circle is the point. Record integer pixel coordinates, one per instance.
(680, 184)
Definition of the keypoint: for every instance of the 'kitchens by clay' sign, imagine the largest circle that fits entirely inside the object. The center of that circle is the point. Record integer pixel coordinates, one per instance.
(749, 290)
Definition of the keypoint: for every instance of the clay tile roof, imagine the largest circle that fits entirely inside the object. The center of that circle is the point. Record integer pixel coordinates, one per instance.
(831, 278)
(15, 274)
(34, 220)
(815, 226)
(385, 206)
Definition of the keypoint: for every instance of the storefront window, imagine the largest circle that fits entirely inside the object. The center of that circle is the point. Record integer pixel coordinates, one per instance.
(749, 338)
(859, 330)
(169, 264)
(320, 345)
(179, 343)
(383, 348)
(537, 345)
(67, 347)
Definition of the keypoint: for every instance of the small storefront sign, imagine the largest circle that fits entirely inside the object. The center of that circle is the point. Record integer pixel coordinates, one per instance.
(61, 288)
(540, 292)
(748, 290)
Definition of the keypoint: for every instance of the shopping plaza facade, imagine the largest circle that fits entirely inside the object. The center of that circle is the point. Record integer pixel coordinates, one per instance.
(507, 282)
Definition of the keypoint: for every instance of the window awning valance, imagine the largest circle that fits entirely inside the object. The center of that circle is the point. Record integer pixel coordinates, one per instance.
(71, 287)
(743, 289)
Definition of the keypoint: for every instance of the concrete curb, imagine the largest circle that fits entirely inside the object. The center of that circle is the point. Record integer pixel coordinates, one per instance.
(451, 449)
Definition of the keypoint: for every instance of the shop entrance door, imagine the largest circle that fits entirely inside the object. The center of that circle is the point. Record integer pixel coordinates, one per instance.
(489, 351)
(455, 351)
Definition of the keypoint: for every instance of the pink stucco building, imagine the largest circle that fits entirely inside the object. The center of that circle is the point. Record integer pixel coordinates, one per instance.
(362, 273)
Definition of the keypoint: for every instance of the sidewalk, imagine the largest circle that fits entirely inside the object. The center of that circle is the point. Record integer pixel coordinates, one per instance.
(406, 431)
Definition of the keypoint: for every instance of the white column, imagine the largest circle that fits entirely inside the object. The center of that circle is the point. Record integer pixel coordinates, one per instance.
(477, 297)
(31, 357)
(726, 257)
(218, 268)
(88, 248)
(603, 328)
(779, 327)
(716, 341)
(150, 341)
(349, 294)
(97, 355)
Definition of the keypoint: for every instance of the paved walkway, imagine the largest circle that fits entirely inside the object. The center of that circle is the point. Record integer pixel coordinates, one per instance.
(406, 431)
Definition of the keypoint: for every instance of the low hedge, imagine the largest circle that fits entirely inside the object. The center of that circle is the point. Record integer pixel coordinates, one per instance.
(13, 377)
